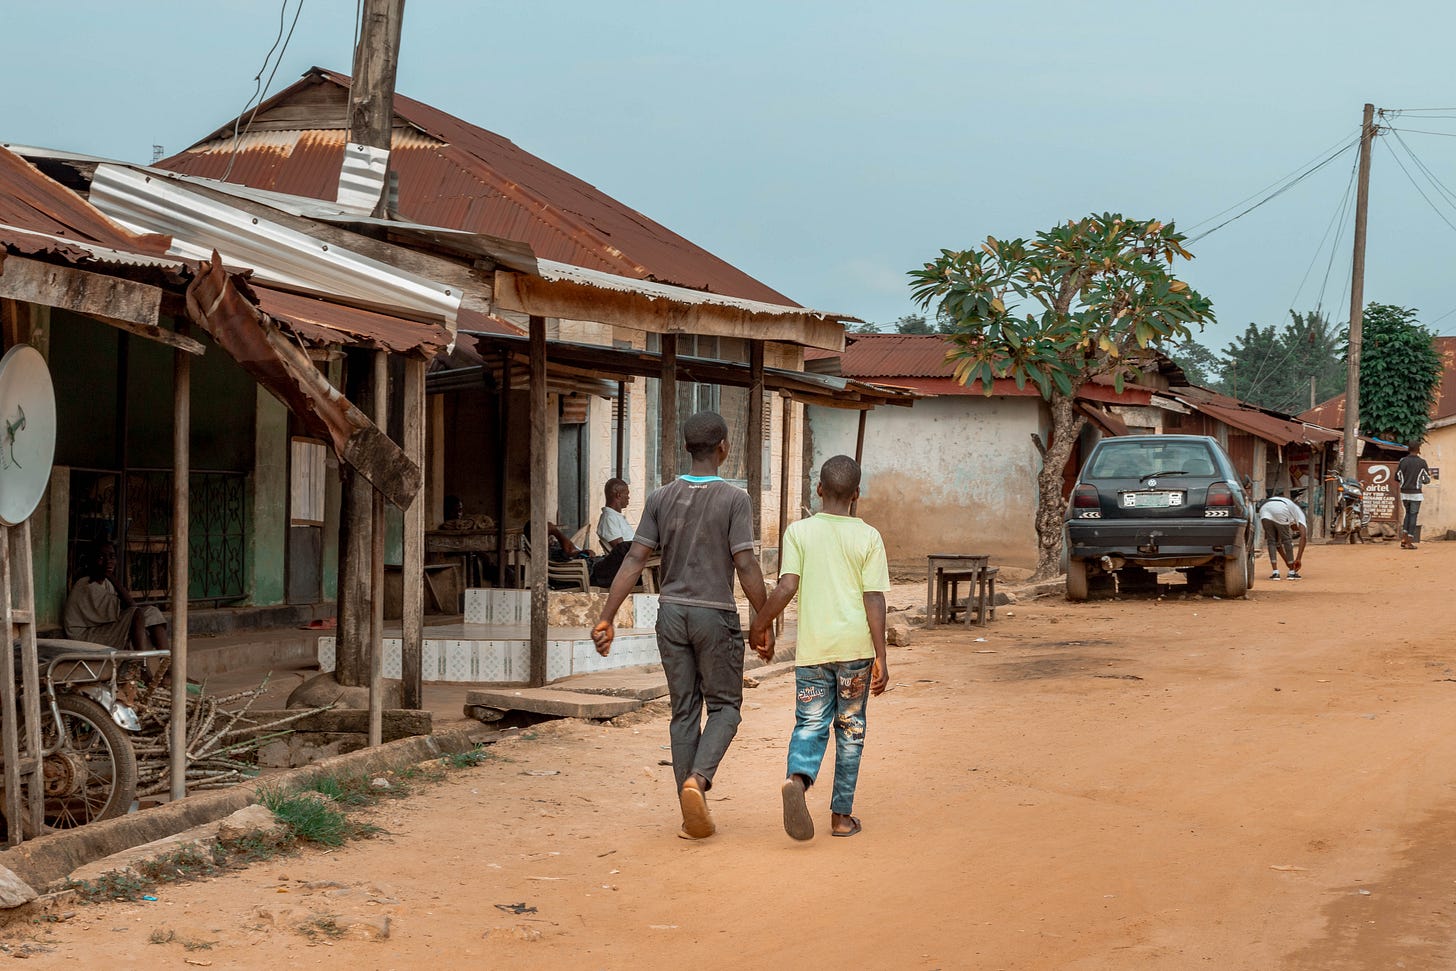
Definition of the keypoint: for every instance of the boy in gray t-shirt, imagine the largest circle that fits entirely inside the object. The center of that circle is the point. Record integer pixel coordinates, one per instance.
(703, 529)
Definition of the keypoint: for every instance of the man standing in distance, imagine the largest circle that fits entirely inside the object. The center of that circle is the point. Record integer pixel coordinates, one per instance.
(1411, 473)
(703, 528)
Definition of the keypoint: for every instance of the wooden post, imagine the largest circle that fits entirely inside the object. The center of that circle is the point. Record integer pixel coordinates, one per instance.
(376, 565)
(753, 441)
(859, 452)
(412, 620)
(667, 410)
(23, 570)
(621, 430)
(356, 509)
(181, 575)
(787, 422)
(540, 540)
(9, 722)
(376, 62)
(503, 441)
(1357, 298)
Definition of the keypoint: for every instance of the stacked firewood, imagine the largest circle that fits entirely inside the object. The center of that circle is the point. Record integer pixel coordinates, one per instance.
(222, 738)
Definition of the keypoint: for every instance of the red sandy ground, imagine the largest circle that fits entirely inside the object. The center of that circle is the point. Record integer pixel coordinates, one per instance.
(1184, 783)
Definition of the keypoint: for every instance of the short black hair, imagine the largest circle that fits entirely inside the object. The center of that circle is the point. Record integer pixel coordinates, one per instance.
(703, 432)
(613, 484)
(839, 476)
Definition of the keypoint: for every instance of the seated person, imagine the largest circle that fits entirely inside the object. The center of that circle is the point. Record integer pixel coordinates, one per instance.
(101, 610)
(615, 532)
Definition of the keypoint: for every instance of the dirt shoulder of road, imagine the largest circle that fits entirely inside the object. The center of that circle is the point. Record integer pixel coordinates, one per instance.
(1152, 783)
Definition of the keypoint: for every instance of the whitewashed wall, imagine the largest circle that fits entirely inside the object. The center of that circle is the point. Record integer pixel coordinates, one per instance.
(953, 474)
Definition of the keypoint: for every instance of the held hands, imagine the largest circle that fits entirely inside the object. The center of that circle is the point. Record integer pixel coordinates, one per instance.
(879, 677)
(761, 639)
(602, 635)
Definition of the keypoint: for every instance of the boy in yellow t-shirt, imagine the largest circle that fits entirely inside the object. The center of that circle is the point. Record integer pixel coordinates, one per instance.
(836, 564)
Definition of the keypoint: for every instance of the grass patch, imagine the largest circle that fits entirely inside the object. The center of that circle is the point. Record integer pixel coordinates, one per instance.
(309, 818)
(324, 925)
(466, 760)
(165, 935)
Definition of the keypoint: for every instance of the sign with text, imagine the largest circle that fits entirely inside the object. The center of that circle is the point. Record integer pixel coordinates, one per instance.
(1382, 495)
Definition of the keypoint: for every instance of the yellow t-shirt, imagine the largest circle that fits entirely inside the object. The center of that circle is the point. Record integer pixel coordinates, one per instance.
(837, 560)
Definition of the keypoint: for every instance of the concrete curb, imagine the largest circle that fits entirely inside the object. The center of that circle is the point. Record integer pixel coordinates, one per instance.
(770, 670)
(46, 862)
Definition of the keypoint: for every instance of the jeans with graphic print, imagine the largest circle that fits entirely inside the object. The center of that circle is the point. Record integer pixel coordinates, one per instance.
(830, 696)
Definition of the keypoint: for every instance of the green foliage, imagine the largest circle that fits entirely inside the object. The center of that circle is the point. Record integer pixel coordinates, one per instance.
(1272, 367)
(867, 327)
(1200, 365)
(466, 760)
(913, 324)
(1400, 371)
(1076, 301)
(309, 815)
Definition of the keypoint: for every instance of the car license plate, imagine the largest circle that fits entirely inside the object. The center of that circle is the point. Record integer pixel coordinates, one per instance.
(1151, 500)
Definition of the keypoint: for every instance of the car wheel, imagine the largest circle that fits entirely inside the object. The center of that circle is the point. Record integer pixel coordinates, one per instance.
(1251, 568)
(1076, 579)
(1236, 576)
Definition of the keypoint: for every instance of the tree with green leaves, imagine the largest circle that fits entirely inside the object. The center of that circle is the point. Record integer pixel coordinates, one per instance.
(1400, 371)
(1200, 365)
(1078, 301)
(864, 327)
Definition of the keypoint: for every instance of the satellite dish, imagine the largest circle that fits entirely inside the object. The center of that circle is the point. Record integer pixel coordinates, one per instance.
(27, 432)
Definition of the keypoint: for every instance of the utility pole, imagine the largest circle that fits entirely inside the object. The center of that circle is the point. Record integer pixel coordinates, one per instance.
(371, 120)
(371, 97)
(1357, 296)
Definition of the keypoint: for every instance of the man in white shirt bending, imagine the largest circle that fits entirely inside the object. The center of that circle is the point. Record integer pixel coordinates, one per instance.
(1281, 520)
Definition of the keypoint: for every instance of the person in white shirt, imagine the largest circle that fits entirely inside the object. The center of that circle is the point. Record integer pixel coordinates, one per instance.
(614, 531)
(1281, 520)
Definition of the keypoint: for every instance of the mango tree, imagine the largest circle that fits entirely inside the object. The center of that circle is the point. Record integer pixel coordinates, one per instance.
(1078, 301)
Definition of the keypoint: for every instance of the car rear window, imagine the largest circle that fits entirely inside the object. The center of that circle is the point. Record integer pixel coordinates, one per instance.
(1133, 460)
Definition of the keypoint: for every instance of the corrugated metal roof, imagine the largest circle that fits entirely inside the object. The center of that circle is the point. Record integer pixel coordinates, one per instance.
(39, 215)
(1331, 413)
(454, 174)
(1268, 425)
(329, 323)
(896, 355)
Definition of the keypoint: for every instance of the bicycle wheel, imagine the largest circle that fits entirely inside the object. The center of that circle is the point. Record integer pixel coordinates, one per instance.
(95, 776)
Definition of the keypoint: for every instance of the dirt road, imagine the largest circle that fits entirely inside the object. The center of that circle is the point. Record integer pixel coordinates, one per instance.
(1183, 783)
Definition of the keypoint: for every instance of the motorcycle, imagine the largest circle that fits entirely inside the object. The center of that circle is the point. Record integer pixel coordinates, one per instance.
(88, 765)
(1350, 518)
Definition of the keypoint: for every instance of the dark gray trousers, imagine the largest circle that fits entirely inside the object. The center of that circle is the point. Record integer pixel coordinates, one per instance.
(702, 656)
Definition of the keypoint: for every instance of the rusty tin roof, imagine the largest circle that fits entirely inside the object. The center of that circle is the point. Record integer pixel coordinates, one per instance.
(455, 174)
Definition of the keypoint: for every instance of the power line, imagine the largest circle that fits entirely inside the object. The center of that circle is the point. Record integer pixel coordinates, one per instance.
(1418, 189)
(1419, 131)
(1336, 220)
(260, 88)
(1426, 169)
(1271, 185)
(1278, 192)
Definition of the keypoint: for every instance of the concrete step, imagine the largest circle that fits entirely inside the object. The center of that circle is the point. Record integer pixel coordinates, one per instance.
(644, 684)
(551, 701)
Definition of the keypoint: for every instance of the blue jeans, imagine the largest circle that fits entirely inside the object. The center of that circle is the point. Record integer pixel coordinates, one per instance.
(830, 696)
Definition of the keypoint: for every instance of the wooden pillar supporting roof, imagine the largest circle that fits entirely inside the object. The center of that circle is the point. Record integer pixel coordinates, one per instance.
(540, 539)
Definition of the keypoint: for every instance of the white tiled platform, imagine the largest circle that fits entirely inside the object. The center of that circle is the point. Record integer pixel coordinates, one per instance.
(493, 645)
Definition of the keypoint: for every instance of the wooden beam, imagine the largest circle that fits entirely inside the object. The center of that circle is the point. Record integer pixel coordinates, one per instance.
(540, 541)
(667, 410)
(23, 564)
(356, 507)
(754, 438)
(376, 564)
(621, 430)
(660, 314)
(9, 713)
(82, 291)
(786, 408)
(412, 618)
(503, 439)
(181, 567)
(152, 333)
(859, 437)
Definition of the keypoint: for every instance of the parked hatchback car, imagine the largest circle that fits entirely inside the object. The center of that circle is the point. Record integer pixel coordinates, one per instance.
(1146, 502)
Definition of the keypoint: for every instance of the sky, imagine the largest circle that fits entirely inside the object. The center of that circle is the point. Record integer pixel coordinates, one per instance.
(828, 147)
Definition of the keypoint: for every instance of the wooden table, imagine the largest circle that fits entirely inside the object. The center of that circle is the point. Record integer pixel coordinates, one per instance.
(944, 573)
(471, 545)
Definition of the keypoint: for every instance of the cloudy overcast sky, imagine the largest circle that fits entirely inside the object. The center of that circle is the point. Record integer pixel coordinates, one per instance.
(828, 147)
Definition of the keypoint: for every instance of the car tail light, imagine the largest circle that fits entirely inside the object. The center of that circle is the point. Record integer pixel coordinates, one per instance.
(1219, 503)
(1086, 503)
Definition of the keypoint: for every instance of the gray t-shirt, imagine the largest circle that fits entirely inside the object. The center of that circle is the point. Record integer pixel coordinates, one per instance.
(697, 526)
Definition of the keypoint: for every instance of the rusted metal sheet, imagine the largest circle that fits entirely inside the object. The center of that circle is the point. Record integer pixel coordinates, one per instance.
(254, 341)
(452, 173)
(1270, 426)
(30, 200)
(321, 322)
